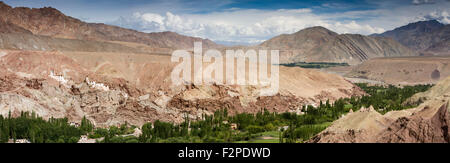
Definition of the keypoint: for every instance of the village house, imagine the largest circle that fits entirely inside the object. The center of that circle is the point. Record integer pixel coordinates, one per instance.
(85, 139)
(233, 126)
(137, 132)
(284, 128)
(19, 141)
(297, 111)
(74, 124)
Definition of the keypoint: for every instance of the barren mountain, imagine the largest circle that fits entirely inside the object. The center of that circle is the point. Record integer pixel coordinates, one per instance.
(424, 36)
(7, 27)
(15, 37)
(440, 48)
(51, 22)
(21, 41)
(428, 123)
(318, 44)
(403, 70)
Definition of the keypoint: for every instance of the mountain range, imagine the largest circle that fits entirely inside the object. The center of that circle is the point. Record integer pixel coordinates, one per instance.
(49, 29)
(318, 44)
(427, 37)
(51, 22)
(58, 66)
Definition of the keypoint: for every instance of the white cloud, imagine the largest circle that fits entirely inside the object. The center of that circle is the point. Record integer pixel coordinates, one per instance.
(253, 25)
(442, 16)
(421, 2)
(150, 21)
(353, 27)
(241, 25)
(393, 15)
(149, 17)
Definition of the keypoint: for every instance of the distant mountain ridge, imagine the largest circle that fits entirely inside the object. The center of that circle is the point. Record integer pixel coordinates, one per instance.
(424, 36)
(318, 44)
(51, 22)
(315, 44)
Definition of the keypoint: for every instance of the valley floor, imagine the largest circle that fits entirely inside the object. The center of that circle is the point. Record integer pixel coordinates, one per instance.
(263, 127)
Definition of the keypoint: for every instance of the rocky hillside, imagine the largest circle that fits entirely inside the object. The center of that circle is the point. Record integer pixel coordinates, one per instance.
(58, 66)
(428, 123)
(7, 27)
(318, 44)
(440, 48)
(51, 22)
(440, 89)
(114, 88)
(22, 41)
(425, 36)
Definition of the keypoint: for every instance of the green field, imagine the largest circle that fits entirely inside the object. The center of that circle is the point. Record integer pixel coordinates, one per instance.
(315, 65)
(274, 135)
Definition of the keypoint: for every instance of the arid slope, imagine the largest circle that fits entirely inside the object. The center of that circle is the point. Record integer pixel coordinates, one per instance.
(427, 37)
(404, 70)
(428, 123)
(51, 22)
(318, 44)
(114, 88)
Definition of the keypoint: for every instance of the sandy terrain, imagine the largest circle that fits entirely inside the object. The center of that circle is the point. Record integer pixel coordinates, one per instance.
(404, 70)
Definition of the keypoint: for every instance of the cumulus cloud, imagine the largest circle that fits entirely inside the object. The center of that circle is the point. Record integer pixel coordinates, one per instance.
(421, 2)
(354, 27)
(441, 16)
(150, 21)
(253, 26)
(241, 25)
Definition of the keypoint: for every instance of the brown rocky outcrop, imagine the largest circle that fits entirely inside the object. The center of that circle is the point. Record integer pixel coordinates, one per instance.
(428, 123)
(419, 128)
(52, 84)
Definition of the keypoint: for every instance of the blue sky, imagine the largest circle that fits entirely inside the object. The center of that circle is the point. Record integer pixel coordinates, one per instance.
(100, 10)
(249, 21)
